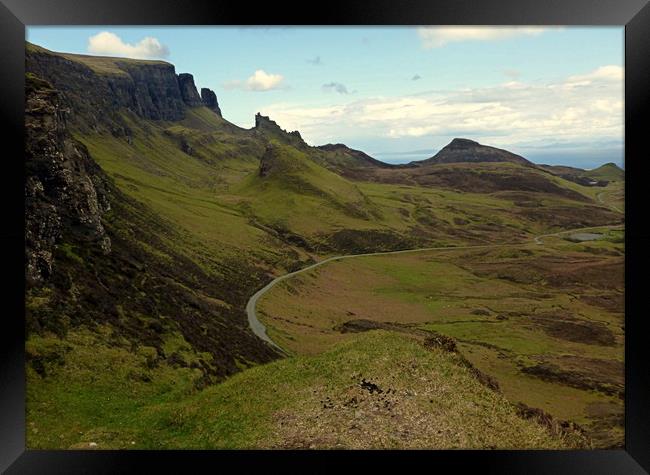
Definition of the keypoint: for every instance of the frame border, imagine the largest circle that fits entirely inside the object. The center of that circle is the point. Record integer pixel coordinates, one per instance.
(633, 14)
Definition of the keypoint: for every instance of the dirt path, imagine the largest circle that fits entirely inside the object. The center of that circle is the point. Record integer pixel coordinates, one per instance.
(260, 330)
(599, 197)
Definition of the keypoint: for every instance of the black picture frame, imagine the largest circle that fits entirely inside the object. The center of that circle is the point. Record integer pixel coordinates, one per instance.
(633, 14)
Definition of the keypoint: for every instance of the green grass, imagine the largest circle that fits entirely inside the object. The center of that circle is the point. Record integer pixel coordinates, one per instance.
(204, 201)
(97, 392)
(609, 172)
(441, 291)
(69, 251)
(96, 389)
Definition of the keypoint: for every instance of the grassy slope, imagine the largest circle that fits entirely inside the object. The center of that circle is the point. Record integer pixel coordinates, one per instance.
(609, 172)
(217, 195)
(515, 311)
(99, 392)
(189, 191)
(200, 175)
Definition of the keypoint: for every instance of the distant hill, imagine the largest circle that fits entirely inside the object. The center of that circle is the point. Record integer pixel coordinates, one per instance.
(601, 176)
(609, 171)
(467, 151)
(341, 156)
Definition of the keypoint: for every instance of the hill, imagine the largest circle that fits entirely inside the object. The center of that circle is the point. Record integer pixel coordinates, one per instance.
(151, 220)
(344, 159)
(601, 176)
(608, 172)
(468, 151)
(379, 391)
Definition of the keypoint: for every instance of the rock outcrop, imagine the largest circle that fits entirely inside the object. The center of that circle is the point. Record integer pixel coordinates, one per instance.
(209, 99)
(188, 90)
(65, 190)
(264, 125)
(263, 122)
(267, 163)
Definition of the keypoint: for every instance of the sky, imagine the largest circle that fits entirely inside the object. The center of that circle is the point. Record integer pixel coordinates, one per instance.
(553, 95)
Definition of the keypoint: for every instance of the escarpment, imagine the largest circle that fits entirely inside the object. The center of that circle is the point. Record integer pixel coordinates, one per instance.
(95, 89)
(66, 192)
(209, 99)
(188, 90)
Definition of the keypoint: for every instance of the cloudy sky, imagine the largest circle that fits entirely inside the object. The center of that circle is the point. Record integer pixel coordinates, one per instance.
(554, 95)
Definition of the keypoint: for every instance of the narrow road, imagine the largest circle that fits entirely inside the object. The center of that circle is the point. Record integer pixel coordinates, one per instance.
(260, 330)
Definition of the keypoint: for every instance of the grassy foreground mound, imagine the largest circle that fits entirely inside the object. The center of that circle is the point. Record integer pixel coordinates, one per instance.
(380, 390)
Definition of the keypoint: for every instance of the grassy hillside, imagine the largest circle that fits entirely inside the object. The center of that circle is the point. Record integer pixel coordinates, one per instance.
(379, 390)
(154, 219)
(608, 172)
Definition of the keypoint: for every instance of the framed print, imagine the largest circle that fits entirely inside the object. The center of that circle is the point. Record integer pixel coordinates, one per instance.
(368, 234)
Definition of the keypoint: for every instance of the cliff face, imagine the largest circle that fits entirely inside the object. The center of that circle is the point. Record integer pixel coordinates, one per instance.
(65, 191)
(151, 90)
(209, 99)
(188, 90)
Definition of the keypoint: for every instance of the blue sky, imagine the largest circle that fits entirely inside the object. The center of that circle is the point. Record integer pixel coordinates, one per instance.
(554, 95)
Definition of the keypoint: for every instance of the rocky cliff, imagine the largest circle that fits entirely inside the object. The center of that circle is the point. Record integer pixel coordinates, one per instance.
(209, 99)
(188, 90)
(65, 190)
(270, 129)
(88, 84)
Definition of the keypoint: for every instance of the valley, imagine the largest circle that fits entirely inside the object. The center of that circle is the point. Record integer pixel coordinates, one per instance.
(152, 221)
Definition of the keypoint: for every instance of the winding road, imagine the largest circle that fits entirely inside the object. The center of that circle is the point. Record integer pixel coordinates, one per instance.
(260, 330)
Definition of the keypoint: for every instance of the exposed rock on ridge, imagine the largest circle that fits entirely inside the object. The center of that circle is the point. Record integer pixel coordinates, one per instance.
(188, 90)
(268, 160)
(265, 125)
(209, 99)
(149, 90)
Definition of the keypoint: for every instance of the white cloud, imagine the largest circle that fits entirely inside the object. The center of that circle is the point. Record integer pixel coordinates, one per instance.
(259, 81)
(109, 44)
(603, 73)
(501, 115)
(437, 36)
